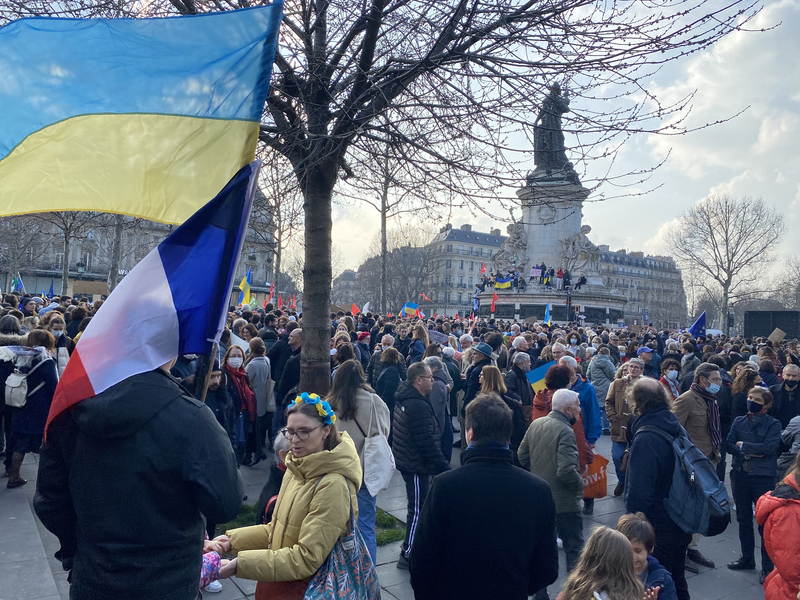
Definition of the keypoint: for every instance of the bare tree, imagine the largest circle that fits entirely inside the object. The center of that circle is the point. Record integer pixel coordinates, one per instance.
(114, 237)
(408, 268)
(22, 239)
(72, 225)
(277, 216)
(729, 241)
(457, 84)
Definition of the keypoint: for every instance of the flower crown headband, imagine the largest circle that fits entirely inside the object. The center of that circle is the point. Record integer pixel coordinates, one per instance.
(323, 408)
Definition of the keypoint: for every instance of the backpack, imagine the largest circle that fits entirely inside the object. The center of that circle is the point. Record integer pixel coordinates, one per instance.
(697, 502)
(17, 387)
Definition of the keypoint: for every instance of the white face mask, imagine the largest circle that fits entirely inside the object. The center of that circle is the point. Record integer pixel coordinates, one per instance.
(235, 362)
(595, 345)
(57, 334)
(672, 375)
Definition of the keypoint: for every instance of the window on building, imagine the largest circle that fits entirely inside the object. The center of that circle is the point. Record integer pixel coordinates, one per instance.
(448, 264)
(470, 250)
(459, 297)
(471, 266)
(460, 280)
(447, 280)
(470, 282)
(461, 265)
(449, 247)
(447, 297)
(461, 250)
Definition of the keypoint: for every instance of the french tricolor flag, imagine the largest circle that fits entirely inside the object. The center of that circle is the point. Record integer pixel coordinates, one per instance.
(173, 302)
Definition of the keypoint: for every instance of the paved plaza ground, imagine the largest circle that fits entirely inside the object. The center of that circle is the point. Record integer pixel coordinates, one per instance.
(28, 570)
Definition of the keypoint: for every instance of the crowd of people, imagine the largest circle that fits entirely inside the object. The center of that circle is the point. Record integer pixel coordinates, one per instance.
(524, 453)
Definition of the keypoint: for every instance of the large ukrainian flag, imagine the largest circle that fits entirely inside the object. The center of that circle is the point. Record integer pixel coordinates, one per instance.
(147, 117)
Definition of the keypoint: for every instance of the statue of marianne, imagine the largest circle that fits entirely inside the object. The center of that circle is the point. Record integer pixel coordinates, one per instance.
(548, 137)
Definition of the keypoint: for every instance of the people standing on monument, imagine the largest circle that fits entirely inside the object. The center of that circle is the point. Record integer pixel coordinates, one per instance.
(559, 278)
(567, 280)
(543, 268)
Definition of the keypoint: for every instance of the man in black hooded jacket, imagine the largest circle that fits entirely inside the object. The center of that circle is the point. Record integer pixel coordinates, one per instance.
(125, 478)
(416, 446)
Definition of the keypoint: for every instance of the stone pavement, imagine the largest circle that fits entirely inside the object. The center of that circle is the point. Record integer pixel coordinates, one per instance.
(28, 570)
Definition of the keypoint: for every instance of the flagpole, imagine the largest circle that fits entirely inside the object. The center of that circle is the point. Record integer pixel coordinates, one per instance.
(207, 358)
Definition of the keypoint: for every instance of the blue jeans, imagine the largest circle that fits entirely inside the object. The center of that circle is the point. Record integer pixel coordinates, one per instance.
(366, 521)
(617, 450)
(603, 421)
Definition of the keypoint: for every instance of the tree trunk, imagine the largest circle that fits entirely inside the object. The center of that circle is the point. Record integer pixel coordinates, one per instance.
(725, 292)
(65, 264)
(116, 253)
(315, 369)
(276, 274)
(384, 251)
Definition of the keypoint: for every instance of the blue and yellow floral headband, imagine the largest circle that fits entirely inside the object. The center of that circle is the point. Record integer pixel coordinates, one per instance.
(323, 408)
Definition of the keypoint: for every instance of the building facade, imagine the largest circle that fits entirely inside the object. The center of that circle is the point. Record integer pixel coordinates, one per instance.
(652, 285)
(457, 255)
(90, 257)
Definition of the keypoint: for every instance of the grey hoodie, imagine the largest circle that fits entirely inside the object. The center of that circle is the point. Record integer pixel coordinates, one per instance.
(791, 435)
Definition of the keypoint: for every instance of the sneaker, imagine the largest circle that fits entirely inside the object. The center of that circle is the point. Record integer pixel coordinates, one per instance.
(560, 543)
(402, 562)
(588, 506)
(214, 587)
(606, 432)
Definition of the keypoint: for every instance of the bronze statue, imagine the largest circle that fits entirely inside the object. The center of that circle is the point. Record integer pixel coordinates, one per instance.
(548, 138)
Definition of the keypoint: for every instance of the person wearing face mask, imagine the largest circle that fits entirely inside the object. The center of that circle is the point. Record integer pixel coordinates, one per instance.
(618, 412)
(573, 339)
(64, 344)
(753, 442)
(787, 396)
(244, 402)
(670, 369)
(698, 412)
(549, 450)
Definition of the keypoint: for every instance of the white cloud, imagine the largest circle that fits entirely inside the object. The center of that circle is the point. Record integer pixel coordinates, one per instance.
(756, 154)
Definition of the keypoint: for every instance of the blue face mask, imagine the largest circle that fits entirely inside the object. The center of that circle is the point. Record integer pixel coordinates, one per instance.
(754, 407)
(713, 388)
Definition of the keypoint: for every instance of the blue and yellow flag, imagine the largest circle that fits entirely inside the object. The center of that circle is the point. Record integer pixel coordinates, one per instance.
(409, 308)
(244, 286)
(547, 315)
(501, 283)
(147, 117)
(536, 376)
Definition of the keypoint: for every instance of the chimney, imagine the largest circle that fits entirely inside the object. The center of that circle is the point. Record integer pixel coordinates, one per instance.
(495, 232)
(466, 227)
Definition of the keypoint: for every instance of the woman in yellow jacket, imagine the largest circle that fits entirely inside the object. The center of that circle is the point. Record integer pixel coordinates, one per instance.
(323, 475)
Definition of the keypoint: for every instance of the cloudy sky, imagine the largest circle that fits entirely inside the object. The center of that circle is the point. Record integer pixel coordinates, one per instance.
(755, 154)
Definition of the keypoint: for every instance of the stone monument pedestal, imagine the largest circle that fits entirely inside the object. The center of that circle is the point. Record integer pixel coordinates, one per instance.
(595, 303)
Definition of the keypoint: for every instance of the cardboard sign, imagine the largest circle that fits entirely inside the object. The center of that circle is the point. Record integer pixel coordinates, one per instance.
(531, 320)
(437, 337)
(776, 337)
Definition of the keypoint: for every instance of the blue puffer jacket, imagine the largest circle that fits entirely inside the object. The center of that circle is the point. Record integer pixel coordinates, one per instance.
(658, 576)
(761, 435)
(590, 409)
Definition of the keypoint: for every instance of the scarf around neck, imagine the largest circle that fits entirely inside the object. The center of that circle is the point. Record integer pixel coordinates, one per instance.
(672, 386)
(712, 414)
(239, 378)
